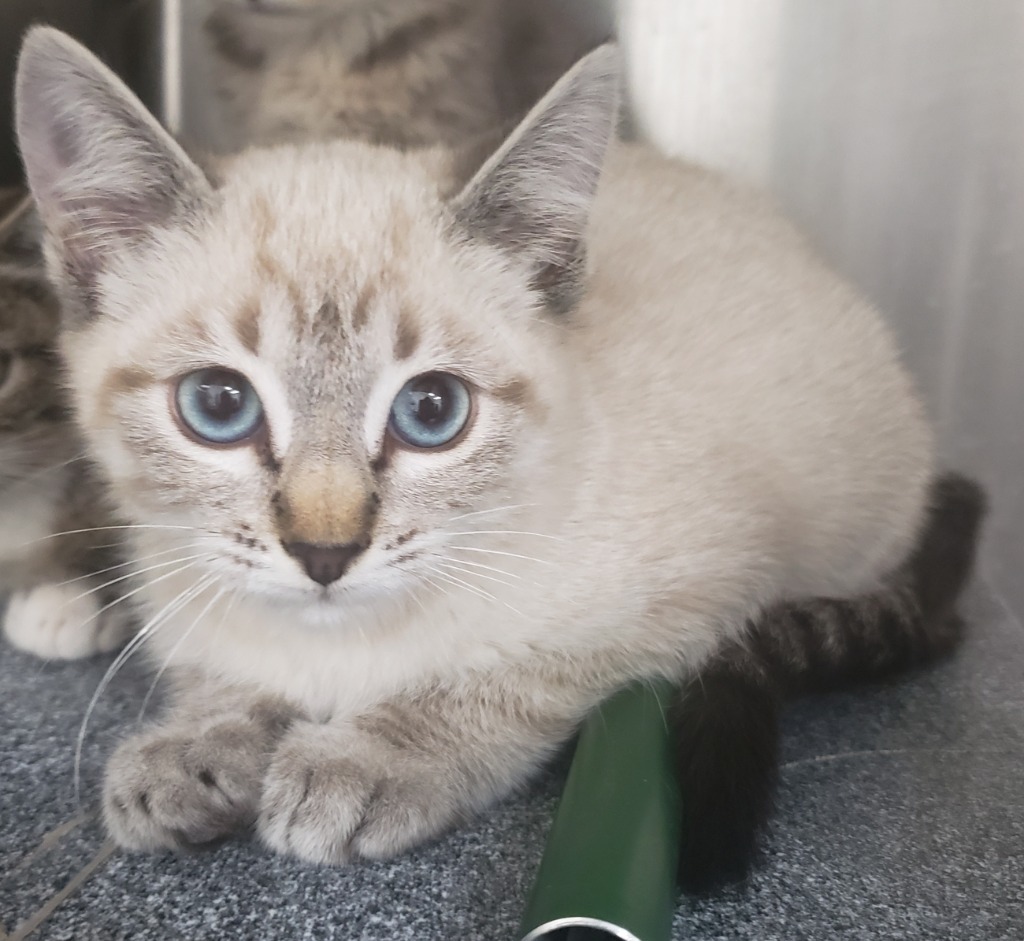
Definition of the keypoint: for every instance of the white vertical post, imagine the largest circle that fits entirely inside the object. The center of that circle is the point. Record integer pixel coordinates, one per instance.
(171, 66)
(703, 77)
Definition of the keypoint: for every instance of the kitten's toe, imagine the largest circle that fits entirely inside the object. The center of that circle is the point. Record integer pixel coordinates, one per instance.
(331, 801)
(62, 622)
(313, 797)
(404, 813)
(170, 791)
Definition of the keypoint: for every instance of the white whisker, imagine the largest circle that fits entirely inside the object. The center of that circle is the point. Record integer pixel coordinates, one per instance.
(121, 565)
(449, 564)
(454, 580)
(524, 581)
(172, 607)
(473, 589)
(497, 509)
(431, 583)
(511, 555)
(134, 591)
(502, 532)
(97, 529)
(480, 591)
(480, 565)
(49, 469)
(177, 644)
(121, 578)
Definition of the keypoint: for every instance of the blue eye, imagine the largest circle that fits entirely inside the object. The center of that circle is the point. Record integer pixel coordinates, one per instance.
(219, 406)
(431, 410)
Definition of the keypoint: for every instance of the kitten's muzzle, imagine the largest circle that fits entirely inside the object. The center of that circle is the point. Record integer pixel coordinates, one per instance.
(324, 564)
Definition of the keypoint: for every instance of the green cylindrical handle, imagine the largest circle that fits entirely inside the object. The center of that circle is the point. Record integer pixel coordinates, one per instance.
(609, 869)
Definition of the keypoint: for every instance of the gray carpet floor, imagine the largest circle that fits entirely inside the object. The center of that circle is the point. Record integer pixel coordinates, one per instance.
(901, 815)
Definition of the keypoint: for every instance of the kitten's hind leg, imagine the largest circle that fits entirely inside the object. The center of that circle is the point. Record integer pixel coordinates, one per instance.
(64, 622)
(727, 730)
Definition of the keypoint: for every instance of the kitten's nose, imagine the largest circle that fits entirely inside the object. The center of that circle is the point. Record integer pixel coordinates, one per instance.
(323, 564)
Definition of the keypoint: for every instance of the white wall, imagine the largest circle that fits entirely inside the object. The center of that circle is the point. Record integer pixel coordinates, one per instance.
(893, 130)
(704, 76)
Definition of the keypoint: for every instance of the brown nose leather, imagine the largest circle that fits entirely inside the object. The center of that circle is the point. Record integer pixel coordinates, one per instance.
(323, 564)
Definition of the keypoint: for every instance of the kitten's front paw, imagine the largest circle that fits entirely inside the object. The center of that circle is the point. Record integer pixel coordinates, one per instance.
(332, 796)
(63, 622)
(167, 789)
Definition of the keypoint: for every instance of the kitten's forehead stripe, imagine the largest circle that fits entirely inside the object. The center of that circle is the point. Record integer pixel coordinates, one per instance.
(361, 311)
(327, 326)
(247, 325)
(407, 335)
(274, 273)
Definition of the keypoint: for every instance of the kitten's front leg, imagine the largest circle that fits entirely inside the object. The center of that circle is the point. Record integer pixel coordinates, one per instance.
(195, 776)
(376, 785)
(65, 621)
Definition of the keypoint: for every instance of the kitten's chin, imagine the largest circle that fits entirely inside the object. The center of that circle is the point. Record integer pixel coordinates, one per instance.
(338, 607)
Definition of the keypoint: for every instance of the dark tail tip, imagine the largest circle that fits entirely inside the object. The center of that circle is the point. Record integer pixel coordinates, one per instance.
(944, 561)
(727, 739)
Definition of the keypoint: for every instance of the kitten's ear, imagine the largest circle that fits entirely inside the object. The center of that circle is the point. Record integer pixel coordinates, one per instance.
(102, 170)
(534, 195)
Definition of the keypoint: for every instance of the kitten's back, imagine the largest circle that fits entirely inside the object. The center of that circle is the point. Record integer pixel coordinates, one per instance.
(789, 374)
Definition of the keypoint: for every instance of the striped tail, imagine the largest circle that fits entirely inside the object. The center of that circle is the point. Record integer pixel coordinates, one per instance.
(727, 716)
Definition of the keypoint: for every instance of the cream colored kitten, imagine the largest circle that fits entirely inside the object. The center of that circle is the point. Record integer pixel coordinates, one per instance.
(455, 466)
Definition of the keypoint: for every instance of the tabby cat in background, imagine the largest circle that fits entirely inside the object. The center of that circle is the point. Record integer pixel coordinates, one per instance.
(46, 486)
(400, 72)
